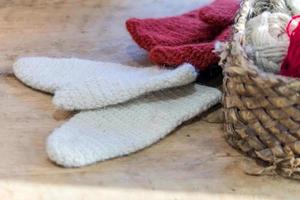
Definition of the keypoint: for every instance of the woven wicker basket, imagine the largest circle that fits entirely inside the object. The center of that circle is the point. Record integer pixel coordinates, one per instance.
(262, 110)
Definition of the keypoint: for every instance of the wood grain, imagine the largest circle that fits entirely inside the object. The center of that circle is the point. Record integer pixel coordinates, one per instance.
(194, 162)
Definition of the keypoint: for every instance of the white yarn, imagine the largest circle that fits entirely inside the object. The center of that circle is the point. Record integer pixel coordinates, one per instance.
(267, 40)
(107, 133)
(294, 5)
(83, 84)
(273, 6)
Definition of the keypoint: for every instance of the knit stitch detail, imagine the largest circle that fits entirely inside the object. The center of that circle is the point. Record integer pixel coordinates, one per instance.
(169, 31)
(200, 55)
(220, 13)
(82, 84)
(110, 132)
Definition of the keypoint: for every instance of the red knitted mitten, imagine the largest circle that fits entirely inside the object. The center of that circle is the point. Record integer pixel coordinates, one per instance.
(220, 13)
(170, 31)
(200, 55)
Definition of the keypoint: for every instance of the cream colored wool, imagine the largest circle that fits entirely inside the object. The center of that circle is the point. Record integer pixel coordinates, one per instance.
(294, 5)
(271, 5)
(97, 135)
(84, 84)
(267, 40)
(145, 113)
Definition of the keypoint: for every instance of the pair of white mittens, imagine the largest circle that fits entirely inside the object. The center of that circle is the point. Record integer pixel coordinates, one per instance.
(125, 108)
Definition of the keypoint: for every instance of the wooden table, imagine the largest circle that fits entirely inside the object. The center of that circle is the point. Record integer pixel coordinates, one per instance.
(194, 162)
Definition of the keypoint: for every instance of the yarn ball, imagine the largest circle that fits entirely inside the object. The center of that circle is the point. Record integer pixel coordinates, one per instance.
(267, 41)
(294, 5)
(270, 5)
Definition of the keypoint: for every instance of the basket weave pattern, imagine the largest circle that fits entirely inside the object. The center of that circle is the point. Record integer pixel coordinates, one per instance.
(262, 111)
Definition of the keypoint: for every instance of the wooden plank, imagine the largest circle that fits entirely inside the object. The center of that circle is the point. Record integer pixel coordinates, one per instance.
(192, 163)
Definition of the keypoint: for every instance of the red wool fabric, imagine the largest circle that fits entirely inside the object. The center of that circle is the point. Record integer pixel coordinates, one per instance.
(187, 38)
(170, 31)
(220, 13)
(200, 55)
(291, 64)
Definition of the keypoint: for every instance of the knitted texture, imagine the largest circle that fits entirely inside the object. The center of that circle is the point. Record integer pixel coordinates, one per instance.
(188, 38)
(220, 13)
(170, 31)
(82, 84)
(93, 136)
(200, 55)
(113, 131)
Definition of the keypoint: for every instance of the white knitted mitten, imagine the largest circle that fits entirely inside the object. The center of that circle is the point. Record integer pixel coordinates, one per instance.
(83, 84)
(110, 132)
